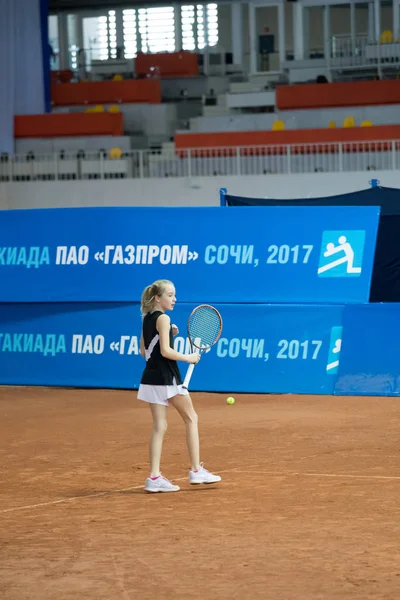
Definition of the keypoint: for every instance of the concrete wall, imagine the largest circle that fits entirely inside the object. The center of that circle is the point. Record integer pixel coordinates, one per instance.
(297, 119)
(200, 191)
(73, 144)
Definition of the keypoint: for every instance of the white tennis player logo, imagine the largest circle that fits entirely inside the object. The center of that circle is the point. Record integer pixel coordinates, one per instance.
(347, 249)
(335, 351)
(335, 347)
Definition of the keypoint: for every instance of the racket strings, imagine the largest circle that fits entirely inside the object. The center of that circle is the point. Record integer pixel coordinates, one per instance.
(205, 325)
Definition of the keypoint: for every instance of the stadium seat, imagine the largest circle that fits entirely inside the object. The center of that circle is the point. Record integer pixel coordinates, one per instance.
(349, 122)
(115, 153)
(366, 124)
(114, 108)
(386, 37)
(332, 125)
(278, 125)
(95, 109)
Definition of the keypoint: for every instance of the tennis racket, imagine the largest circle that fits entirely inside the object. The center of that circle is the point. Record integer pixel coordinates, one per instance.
(204, 330)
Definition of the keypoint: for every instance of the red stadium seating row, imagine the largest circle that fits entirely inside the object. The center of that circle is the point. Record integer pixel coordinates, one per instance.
(68, 125)
(280, 138)
(145, 91)
(168, 64)
(329, 95)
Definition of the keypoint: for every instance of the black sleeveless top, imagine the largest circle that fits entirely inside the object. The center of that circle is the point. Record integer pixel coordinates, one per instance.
(159, 370)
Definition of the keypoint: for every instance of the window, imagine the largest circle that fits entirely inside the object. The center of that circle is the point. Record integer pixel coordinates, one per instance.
(149, 30)
(212, 24)
(199, 26)
(157, 29)
(100, 36)
(101, 40)
(74, 57)
(53, 33)
(188, 28)
(130, 34)
(153, 29)
(112, 34)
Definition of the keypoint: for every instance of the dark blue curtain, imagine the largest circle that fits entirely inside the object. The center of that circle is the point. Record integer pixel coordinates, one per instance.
(22, 89)
(385, 284)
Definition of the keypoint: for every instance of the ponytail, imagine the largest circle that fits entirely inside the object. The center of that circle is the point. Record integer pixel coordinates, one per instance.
(149, 295)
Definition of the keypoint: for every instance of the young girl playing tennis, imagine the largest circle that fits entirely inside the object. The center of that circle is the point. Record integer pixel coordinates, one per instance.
(161, 385)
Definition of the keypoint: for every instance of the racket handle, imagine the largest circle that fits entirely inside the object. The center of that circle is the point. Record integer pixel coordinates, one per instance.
(188, 376)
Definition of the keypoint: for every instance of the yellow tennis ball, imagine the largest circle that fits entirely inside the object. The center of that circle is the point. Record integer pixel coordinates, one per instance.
(230, 400)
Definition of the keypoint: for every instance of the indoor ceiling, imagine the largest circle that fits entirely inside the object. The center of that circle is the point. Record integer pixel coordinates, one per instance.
(73, 5)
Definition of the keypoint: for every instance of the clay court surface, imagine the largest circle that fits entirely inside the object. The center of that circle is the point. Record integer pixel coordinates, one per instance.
(309, 505)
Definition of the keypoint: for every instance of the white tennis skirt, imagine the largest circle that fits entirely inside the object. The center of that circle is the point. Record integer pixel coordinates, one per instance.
(159, 394)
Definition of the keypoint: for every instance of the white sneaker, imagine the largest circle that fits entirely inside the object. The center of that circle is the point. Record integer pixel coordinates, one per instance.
(161, 484)
(203, 476)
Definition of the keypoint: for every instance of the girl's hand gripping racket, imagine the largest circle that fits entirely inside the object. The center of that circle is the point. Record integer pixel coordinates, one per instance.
(204, 330)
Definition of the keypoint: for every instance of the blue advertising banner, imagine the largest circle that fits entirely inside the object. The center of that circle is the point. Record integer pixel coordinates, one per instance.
(319, 254)
(263, 348)
(369, 363)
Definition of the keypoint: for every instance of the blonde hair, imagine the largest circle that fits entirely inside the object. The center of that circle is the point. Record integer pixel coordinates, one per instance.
(149, 295)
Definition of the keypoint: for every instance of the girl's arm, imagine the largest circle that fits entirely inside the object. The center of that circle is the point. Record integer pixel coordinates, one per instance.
(163, 327)
(142, 349)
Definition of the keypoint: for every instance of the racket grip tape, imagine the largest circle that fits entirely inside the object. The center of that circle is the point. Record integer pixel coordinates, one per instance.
(188, 376)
